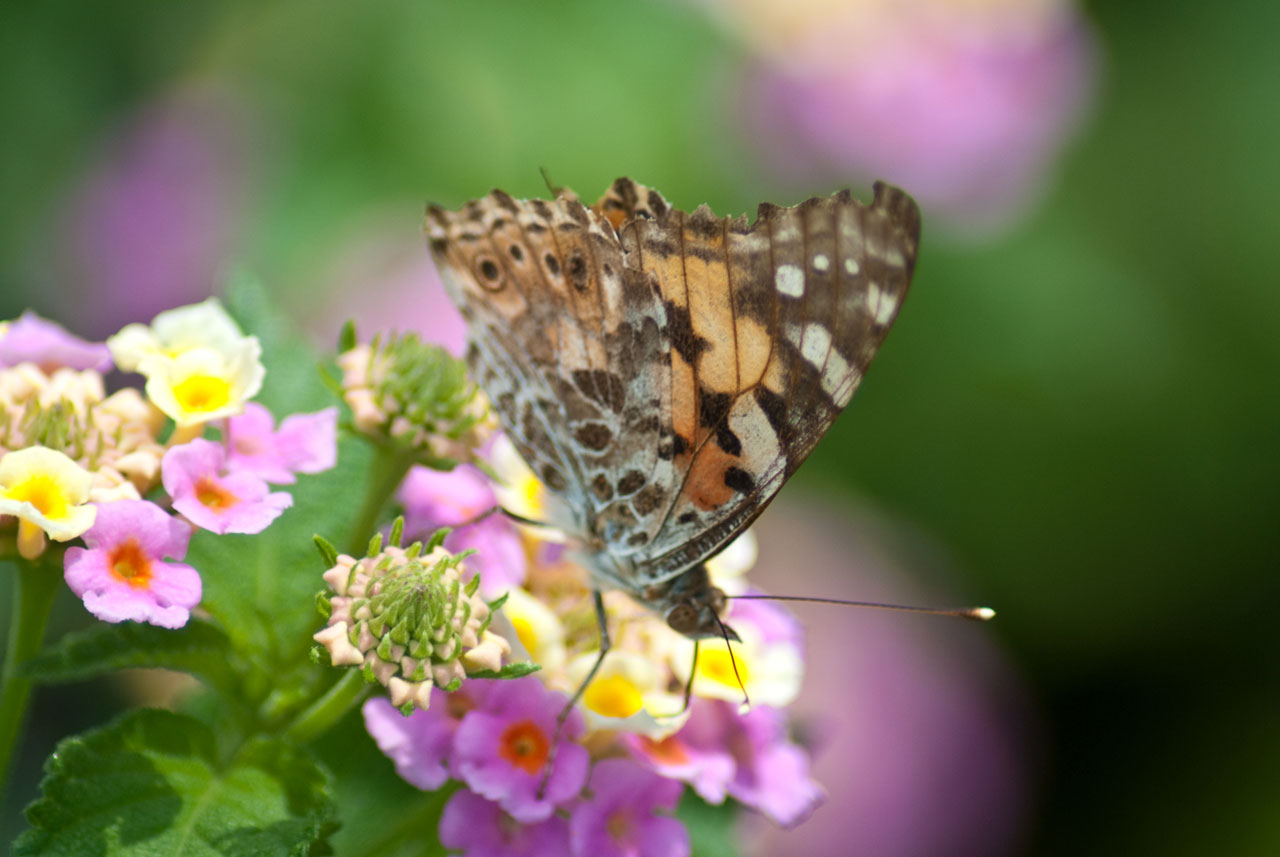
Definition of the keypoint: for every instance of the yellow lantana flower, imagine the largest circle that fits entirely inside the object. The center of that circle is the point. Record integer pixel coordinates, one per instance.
(47, 492)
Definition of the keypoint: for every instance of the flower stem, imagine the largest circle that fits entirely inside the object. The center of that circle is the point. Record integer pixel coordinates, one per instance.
(328, 709)
(36, 587)
(389, 468)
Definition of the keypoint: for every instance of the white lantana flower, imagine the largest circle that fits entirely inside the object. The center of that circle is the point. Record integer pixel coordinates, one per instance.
(199, 366)
(175, 331)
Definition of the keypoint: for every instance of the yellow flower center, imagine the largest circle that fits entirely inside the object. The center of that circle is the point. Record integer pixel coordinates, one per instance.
(529, 489)
(717, 665)
(612, 696)
(130, 563)
(524, 631)
(43, 492)
(213, 495)
(201, 393)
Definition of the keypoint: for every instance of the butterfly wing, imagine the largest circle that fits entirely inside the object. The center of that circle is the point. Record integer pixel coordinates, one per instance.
(568, 342)
(666, 372)
(771, 327)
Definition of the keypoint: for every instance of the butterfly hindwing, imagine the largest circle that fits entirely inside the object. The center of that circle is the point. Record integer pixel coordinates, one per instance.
(772, 326)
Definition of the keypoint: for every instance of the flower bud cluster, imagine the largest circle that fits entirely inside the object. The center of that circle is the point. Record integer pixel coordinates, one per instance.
(415, 395)
(409, 620)
(113, 437)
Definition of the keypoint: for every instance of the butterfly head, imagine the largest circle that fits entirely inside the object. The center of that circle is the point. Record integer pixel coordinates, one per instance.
(691, 605)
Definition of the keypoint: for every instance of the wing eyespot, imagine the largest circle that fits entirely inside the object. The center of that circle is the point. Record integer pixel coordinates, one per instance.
(489, 273)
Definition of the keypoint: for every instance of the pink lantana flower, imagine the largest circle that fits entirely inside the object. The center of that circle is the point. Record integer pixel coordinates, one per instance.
(236, 502)
(620, 821)
(745, 756)
(304, 443)
(123, 574)
(501, 750)
(434, 499)
(32, 339)
(421, 744)
(479, 828)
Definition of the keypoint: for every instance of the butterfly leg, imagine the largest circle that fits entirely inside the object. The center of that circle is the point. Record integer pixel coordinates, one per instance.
(605, 645)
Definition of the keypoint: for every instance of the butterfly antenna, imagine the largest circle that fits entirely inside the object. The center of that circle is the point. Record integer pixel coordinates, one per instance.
(980, 614)
(551, 186)
(733, 662)
(507, 513)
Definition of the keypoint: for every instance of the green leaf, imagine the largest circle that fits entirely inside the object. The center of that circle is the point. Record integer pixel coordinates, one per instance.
(152, 783)
(199, 648)
(520, 669)
(712, 828)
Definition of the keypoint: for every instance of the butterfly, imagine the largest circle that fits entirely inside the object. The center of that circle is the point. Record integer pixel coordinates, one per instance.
(665, 372)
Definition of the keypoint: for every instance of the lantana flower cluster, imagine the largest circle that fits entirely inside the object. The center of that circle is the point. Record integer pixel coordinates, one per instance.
(131, 475)
(605, 776)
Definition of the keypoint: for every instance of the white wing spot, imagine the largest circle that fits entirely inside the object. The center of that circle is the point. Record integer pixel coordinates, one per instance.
(790, 280)
(816, 344)
(882, 304)
(894, 256)
(821, 262)
(851, 267)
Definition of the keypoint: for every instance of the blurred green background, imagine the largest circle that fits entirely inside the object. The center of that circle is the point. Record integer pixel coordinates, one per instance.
(1080, 407)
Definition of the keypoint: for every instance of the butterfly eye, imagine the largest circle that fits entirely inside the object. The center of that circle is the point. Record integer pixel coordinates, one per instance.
(682, 618)
(490, 274)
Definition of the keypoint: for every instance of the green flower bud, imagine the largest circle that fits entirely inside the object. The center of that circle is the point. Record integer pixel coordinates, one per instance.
(409, 621)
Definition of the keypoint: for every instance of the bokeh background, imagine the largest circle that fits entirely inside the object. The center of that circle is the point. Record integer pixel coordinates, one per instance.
(1074, 420)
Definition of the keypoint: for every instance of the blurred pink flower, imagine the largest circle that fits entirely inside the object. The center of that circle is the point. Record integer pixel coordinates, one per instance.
(480, 828)
(624, 817)
(32, 339)
(745, 756)
(421, 744)
(964, 106)
(304, 443)
(157, 216)
(921, 734)
(501, 748)
(194, 475)
(123, 574)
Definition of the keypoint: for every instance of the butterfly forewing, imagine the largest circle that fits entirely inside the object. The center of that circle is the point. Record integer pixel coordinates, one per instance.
(570, 345)
(666, 372)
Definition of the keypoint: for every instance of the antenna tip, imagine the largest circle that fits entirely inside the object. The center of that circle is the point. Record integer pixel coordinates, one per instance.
(982, 614)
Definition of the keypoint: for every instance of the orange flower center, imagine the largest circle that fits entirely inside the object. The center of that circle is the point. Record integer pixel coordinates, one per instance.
(525, 746)
(668, 751)
(131, 564)
(619, 825)
(458, 704)
(211, 494)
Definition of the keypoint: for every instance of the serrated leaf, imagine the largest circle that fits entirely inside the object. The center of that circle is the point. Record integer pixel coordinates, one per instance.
(152, 784)
(199, 648)
(520, 669)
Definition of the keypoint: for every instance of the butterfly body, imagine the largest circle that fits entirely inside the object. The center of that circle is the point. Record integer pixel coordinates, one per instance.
(665, 372)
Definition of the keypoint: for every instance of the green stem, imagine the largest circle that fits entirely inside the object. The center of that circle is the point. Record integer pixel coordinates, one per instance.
(36, 587)
(389, 468)
(328, 709)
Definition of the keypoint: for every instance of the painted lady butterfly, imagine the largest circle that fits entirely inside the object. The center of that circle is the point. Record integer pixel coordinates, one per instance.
(665, 372)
